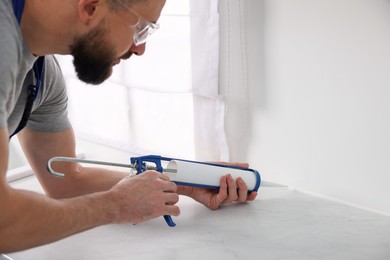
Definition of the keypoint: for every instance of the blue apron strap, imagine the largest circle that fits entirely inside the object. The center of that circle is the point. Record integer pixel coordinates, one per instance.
(18, 9)
(39, 66)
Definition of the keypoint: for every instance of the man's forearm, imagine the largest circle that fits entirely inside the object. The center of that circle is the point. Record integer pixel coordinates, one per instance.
(29, 219)
(84, 180)
(184, 190)
(78, 180)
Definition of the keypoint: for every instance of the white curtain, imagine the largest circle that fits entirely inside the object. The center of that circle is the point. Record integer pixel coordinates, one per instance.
(165, 102)
(234, 72)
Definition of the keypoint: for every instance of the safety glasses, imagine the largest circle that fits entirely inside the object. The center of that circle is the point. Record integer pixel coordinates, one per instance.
(143, 29)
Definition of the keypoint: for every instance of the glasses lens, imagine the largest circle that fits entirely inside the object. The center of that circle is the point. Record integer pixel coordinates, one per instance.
(143, 33)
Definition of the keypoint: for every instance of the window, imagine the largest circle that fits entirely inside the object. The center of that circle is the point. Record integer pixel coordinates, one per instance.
(164, 102)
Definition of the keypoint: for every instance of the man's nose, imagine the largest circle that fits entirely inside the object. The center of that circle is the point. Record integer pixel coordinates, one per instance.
(138, 50)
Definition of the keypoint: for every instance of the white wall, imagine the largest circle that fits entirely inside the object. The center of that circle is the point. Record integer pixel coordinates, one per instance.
(319, 96)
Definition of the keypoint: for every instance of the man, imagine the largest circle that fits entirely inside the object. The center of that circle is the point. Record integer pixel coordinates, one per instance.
(98, 33)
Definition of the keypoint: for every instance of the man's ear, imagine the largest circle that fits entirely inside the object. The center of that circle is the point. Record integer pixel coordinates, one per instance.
(87, 9)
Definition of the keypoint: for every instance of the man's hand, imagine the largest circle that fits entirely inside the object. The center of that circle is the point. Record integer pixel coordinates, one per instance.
(144, 197)
(230, 191)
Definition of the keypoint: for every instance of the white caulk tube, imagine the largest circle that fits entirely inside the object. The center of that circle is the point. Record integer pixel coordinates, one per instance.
(197, 174)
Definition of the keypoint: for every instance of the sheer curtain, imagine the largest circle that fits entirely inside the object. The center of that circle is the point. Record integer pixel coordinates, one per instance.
(235, 74)
(165, 102)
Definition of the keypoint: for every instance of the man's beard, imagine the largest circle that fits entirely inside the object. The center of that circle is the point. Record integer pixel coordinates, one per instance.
(93, 56)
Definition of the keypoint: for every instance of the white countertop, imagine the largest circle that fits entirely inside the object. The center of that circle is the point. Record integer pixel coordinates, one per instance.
(280, 224)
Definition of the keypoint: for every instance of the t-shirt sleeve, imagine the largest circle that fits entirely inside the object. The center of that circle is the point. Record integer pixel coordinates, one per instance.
(50, 112)
(10, 56)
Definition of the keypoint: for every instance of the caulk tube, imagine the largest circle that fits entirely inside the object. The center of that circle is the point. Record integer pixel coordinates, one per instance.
(207, 175)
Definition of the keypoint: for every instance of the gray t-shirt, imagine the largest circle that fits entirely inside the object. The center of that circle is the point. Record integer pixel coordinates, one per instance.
(49, 112)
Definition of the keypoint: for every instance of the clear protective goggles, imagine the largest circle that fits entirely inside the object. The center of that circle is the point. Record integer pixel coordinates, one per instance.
(143, 29)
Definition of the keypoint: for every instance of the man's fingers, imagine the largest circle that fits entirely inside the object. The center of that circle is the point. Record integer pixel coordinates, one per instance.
(232, 189)
(222, 193)
(170, 186)
(252, 196)
(171, 198)
(223, 185)
(242, 190)
(172, 210)
(164, 177)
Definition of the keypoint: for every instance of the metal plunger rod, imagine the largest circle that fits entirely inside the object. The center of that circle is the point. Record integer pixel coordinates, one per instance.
(71, 159)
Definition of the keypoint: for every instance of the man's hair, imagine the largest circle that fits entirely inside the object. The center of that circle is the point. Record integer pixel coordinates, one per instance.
(121, 5)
